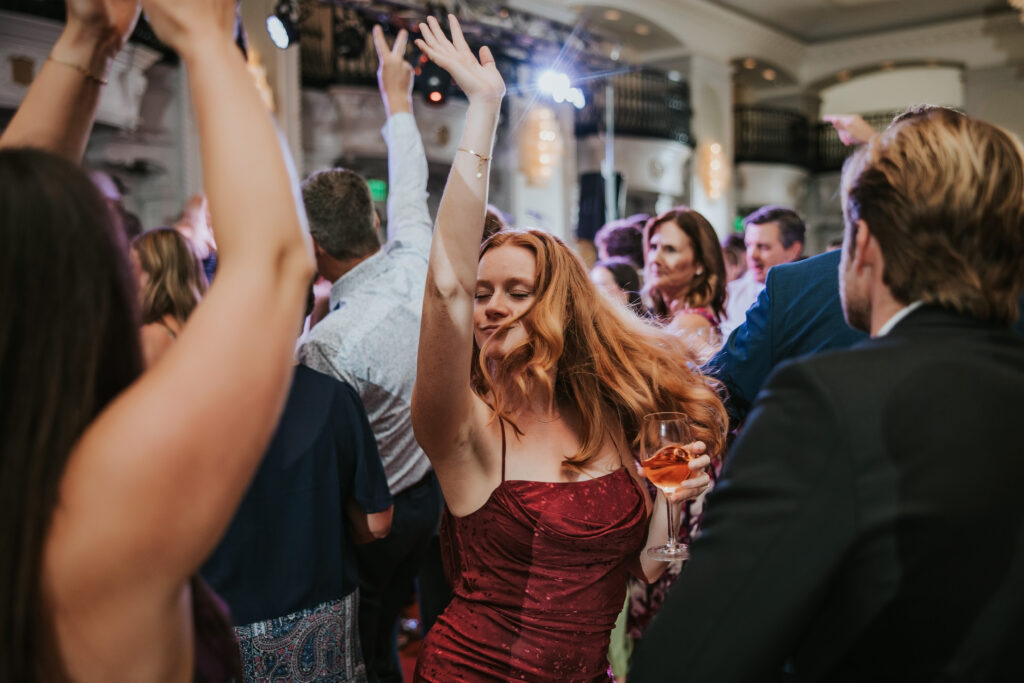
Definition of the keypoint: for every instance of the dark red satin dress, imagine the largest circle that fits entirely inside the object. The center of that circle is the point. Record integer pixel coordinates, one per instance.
(539, 577)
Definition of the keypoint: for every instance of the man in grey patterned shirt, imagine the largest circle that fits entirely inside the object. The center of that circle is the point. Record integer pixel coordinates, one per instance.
(369, 339)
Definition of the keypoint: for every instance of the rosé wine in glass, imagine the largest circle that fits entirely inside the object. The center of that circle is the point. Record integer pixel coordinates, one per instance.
(668, 467)
(665, 463)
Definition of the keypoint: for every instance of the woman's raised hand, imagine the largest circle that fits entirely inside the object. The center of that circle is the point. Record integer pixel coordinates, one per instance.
(478, 78)
(109, 21)
(175, 22)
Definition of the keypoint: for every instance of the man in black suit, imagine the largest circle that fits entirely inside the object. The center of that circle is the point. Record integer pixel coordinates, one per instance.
(869, 524)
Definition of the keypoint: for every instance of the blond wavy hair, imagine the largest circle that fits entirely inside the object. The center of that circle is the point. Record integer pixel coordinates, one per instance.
(176, 279)
(944, 196)
(583, 349)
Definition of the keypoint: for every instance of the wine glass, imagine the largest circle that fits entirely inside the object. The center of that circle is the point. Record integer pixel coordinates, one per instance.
(665, 463)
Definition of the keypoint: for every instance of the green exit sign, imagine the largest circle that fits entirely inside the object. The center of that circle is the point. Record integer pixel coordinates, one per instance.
(378, 189)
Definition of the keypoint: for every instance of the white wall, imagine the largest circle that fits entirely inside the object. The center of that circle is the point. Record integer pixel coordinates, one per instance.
(895, 89)
(996, 95)
(711, 99)
(759, 184)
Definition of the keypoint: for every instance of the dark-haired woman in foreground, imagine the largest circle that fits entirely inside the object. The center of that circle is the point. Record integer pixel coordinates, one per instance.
(114, 485)
(529, 392)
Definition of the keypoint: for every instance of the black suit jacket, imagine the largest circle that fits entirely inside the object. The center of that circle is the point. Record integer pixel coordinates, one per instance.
(869, 525)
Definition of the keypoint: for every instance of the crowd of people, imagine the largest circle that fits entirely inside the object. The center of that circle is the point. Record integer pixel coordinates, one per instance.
(214, 468)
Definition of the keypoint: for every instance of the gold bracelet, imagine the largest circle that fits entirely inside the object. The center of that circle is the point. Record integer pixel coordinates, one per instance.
(80, 69)
(479, 164)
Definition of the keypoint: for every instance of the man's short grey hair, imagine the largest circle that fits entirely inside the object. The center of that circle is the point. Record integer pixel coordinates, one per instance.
(341, 215)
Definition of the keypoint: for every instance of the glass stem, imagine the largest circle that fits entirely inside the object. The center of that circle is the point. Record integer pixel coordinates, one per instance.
(672, 534)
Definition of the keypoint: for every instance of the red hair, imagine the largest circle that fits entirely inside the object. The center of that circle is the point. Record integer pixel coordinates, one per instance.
(581, 348)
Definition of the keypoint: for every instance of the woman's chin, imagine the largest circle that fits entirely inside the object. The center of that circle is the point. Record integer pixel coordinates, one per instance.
(494, 351)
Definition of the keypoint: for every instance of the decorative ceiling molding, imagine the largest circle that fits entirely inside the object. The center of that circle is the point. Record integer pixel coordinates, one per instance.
(703, 29)
(975, 43)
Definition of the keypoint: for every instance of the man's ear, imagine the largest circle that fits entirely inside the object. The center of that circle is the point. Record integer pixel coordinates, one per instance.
(865, 245)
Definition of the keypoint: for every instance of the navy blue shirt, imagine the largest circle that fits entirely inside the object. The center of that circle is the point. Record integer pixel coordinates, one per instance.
(289, 547)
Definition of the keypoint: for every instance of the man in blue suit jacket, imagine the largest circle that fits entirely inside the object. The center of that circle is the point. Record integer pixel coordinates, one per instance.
(796, 314)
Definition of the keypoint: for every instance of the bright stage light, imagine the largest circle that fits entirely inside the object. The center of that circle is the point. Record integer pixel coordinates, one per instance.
(558, 85)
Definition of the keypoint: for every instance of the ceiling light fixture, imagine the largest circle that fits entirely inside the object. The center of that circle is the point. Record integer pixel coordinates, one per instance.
(283, 24)
(350, 35)
(434, 82)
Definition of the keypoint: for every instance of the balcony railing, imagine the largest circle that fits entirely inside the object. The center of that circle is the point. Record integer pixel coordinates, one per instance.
(830, 152)
(647, 105)
(772, 135)
(782, 136)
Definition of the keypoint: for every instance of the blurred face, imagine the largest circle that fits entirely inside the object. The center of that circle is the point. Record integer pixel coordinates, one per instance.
(605, 282)
(670, 263)
(764, 249)
(504, 292)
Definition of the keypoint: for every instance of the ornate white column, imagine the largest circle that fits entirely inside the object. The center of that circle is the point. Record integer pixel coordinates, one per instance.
(711, 100)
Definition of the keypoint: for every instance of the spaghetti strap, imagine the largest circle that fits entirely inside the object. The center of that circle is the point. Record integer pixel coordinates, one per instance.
(501, 423)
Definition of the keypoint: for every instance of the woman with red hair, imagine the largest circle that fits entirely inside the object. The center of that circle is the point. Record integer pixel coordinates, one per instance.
(530, 390)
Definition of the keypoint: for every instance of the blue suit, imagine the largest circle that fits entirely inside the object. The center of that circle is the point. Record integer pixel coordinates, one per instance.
(797, 313)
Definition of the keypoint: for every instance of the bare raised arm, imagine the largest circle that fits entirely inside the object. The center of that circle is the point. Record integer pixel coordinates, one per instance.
(155, 479)
(59, 108)
(442, 402)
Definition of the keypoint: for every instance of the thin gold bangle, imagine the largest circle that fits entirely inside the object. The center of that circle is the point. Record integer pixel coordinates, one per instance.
(481, 160)
(80, 69)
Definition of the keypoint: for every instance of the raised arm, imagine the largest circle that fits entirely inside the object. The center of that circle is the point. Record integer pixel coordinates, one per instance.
(155, 479)
(408, 217)
(60, 106)
(852, 128)
(442, 400)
